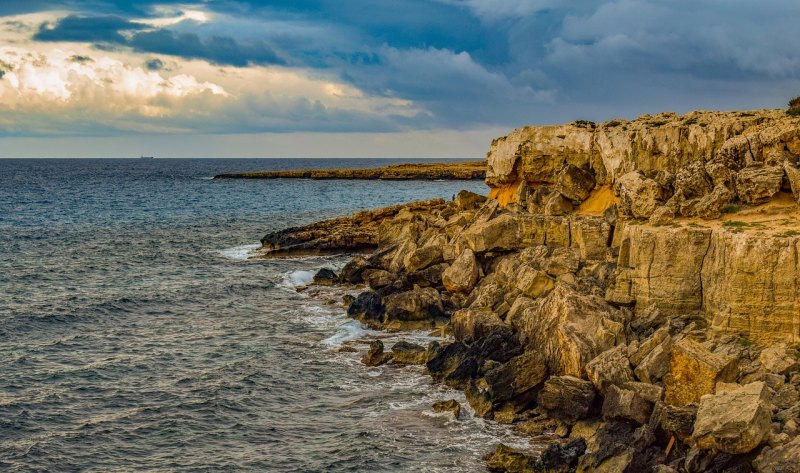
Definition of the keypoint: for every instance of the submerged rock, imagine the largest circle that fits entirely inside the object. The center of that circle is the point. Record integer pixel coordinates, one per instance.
(406, 353)
(325, 277)
(376, 356)
(451, 405)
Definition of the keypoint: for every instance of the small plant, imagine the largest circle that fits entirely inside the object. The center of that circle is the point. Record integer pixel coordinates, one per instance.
(576, 203)
(730, 209)
(613, 123)
(794, 107)
(788, 233)
(747, 114)
(745, 342)
(735, 224)
(690, 121)
(584, 124)
(658, 123)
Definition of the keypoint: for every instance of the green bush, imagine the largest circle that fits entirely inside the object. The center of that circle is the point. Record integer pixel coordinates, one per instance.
(794, 107)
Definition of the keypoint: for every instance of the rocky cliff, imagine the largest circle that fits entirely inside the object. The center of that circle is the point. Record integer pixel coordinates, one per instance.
(628, 293)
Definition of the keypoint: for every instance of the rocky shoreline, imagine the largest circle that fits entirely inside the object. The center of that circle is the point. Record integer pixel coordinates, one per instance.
(453, 171)
(627, 295)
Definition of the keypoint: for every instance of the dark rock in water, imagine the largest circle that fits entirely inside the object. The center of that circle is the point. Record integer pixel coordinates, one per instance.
(447, 360)
(556, 458)
(353, 271)
(406, 353)
(506, 459)
(347, 349)
(366, 307)
(325, 277)
(567, 397)
(479, 398)
(500, 345)
(376, 356)
(463, 374)
(451, 405)
(613, 439)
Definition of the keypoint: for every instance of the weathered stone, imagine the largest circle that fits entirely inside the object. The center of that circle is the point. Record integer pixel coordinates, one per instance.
(466, 200)
(325, 277)
(423, 257)
(644, 348)
(676, 420)
(609, 368)
(734, 421)
(651, 393)
(500, 233)
(473, 324)
(793, 175)
(451, 405)
(624, 404)
(462, 274)
(711, 205)
(378, 278)
(695, 372)
(353, 270)
(574, 183)
(591, 236)
(568, 328)
(447, 360)
(783, 459)
(655, 364)
(779, 359)
(406, 353)
(567, 397)
(414, 305)
(755, 185)
(533, 282)
(638, 195)
(479, 398)
(376, 356)
(556, 204)
(516, 377)
(366, 307)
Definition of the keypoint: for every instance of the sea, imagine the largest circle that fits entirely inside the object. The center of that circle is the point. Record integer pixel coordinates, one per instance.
(137, 334)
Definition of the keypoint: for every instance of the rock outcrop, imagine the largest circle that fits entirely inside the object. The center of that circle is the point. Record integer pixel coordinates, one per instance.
(628, 293)
(397, 172)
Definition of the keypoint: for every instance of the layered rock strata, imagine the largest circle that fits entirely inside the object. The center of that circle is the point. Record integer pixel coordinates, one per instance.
(596, 305)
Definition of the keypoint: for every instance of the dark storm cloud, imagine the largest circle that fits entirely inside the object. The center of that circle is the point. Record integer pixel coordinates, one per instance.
(216, 49)
(87, 28)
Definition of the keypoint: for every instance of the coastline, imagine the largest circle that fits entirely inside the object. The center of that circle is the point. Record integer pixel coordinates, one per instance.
(464, 170)
(594, 308)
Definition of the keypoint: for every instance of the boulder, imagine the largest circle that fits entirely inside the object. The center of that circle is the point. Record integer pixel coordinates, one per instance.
(783, 459)
(793, 175)
(639, 196)
(574, 183)
(462, 274)
(625, 404)
(694, 372)
(567, 397)
(415, 305)
(406, 353)
(376, 356)
(710, 206)
(353, 270)
(676, 420)
(556, 204)
(499, 233)
(447, 360)
(756, 185)
(654, 364)
(533, 282)
(473, 324)
(325, 277)
(366, 307)
(378, 278)
(779, 359)
(609, 368)
(557, 457)
(466, 200)
(516, 377)
(735, 421)
(567, 327)
(451, 405)
(423, 257)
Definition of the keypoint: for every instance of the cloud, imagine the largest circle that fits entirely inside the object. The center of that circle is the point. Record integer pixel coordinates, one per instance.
(87, 28)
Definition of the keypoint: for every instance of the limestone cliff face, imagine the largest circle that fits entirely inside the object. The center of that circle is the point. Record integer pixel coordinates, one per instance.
(679, 160)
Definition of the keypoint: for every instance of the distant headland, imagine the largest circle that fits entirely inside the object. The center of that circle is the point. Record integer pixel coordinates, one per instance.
(463, 170)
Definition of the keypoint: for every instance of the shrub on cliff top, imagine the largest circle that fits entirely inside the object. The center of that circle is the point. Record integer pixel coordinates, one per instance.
(794, 106)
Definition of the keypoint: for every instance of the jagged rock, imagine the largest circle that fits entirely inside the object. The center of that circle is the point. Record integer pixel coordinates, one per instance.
(779, 359)
(479, 397)
(414, 305)
(735, 421)
(755, 185)
(500, 233)
(378, 278)
(366, 307)
(325, 277)
(447, 360)
(562, 261)
(574, 183)
(676, 420)
(693, 181)
(793, 175)
(694, 372)
(473, 324)
(376, 356)
(567, 397)
(556, 458)
(428, 277)
(516, 377)
(462, 274)
(710, 206)
(647, 346)
(651, 393)
(406, 353)
(610, 448)
(533, 282)
(466, 200)
(556, 204)
(451, 405)
(639, 196)
(655, 363)
(591, 236)
(624, 404)
(783, 459)
(423, 257)
(609, 368)
(354, 269)
(568, 328)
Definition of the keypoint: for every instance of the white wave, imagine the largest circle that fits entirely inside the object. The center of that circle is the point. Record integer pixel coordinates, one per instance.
(301, 278)
(348, 331)
(240, 253)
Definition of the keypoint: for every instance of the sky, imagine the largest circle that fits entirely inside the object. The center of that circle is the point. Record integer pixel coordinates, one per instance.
(370, 78)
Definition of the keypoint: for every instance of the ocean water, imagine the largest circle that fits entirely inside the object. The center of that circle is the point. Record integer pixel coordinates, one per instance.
(135, 335)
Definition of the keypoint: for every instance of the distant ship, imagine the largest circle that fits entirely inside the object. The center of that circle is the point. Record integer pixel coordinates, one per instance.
(147, 157)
